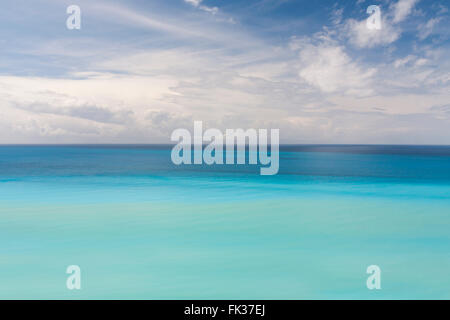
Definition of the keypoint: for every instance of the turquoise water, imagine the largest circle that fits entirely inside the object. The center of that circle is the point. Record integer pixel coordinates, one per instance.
(141, 228)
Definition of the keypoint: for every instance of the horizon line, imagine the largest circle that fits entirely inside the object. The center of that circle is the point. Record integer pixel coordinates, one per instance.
(174, 144)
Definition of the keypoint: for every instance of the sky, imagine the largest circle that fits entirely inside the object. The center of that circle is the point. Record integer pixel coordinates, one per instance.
(139, 69)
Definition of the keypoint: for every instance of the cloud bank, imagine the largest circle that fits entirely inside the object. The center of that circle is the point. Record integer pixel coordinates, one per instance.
(143, 72)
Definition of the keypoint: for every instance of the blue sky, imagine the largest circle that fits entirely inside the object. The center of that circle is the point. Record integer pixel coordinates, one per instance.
(137, 70)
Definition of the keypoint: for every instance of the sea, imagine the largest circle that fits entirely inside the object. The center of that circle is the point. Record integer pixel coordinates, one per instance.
(140, 227)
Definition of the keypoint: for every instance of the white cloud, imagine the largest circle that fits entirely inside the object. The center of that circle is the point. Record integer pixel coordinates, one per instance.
(426, 29)
(212, 10)
(402, 9)
(363, 37)
(141, 104)
(420, 62)
(133, 18)
(403, 61)
(195, 3)
(328, 67)
(336, 15)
